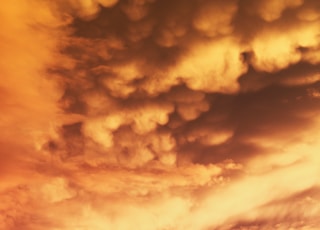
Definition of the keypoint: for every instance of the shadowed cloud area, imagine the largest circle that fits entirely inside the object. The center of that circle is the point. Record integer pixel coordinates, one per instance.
(158, 114)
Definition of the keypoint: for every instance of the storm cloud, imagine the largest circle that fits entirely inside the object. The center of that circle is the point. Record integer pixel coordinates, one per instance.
(160, 114)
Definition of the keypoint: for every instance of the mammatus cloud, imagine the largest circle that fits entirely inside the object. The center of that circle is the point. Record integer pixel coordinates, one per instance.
(159, 114)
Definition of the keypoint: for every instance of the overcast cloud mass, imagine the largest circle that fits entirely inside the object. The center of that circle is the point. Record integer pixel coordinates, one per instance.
(160, 115)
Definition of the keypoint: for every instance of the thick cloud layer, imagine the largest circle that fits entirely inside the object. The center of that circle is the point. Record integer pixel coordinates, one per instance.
(160, 114)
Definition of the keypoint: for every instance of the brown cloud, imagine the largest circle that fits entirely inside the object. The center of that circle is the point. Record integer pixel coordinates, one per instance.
(159, 114)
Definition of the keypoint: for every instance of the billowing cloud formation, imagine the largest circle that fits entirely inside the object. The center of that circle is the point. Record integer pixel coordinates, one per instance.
(160, 114)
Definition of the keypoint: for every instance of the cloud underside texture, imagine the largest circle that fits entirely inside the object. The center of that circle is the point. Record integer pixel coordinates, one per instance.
(160, 114)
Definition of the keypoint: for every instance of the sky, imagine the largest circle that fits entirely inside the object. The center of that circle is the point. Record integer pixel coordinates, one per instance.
(160, 115)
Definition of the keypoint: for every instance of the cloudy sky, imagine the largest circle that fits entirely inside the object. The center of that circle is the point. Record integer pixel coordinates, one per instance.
(160, 114)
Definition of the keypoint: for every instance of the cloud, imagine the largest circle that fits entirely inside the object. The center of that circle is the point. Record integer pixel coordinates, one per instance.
(272, 10)
(274, 44)
(159, 114)
(218, 65)
(214, 18)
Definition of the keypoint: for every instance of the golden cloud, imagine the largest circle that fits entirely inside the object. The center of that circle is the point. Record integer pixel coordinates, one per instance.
(150, 114)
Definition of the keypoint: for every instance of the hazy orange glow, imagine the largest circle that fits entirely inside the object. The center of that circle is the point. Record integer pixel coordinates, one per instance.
(158, 114)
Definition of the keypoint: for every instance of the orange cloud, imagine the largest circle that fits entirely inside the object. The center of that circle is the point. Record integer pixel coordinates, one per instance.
(153, 114)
